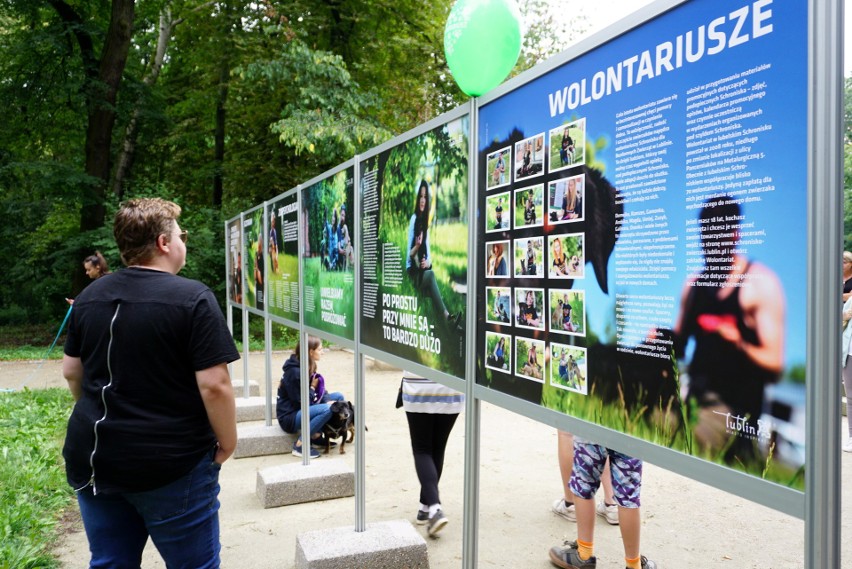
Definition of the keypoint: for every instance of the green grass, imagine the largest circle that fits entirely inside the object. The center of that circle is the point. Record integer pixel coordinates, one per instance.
(30, 342)
(34, 493)
(317, 277)
(665, 427)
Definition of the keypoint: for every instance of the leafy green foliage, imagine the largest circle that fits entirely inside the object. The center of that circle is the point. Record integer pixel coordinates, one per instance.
(34, 492)
(288, 88)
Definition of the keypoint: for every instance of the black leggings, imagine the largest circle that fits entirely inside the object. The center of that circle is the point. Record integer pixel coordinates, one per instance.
(429, 435)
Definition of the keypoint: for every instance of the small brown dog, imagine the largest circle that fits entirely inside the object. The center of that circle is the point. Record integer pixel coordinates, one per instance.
(340, 426)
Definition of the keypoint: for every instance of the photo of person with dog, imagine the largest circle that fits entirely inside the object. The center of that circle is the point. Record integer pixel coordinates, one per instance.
(567, 145)
(500, 302)
(529, 257)
(529, 157)
(498, 210)
(566, 256)
(498, 348)
(529, 361)
(328, 254)
(529, 206)
(529, 306)
(567, 311)
(288, 405)
(568, 367)
(565, 200)
(496, 165)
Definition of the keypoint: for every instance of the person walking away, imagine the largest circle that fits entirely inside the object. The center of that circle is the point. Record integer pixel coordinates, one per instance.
(431, 410)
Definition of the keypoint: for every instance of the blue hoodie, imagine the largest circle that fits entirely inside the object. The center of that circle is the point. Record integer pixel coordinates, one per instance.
(289, 400)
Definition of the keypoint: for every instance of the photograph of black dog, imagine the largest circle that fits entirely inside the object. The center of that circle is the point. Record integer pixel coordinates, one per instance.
(341, 425)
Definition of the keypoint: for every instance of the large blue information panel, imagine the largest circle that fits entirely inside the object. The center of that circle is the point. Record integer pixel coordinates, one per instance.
(642, 236)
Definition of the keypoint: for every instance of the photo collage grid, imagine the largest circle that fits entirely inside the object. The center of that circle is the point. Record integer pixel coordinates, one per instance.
(534, 258)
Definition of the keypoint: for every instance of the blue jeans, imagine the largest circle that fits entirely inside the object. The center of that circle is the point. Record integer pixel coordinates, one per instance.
(182, 519)
(318, 414)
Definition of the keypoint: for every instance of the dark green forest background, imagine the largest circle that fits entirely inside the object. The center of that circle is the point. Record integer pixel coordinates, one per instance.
(217, 105)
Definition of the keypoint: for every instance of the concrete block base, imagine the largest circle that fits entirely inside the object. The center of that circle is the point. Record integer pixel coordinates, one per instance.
(251, 409)
(295, 483)
(260, 440)
(254, 388)
(386, 545)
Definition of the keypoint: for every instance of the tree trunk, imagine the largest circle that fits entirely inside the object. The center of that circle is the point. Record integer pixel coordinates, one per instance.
(124, 162)
(219, 135)
(102, 92)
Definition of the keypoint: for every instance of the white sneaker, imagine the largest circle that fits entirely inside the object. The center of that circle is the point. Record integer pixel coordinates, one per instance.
(560, 509)
(848, 446)
(609, 513)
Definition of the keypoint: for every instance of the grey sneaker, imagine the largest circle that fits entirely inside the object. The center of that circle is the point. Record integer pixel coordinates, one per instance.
(560, 509)
(422, 517)
(568, 557)
(648, 564)
(437, 523)
(609, 513)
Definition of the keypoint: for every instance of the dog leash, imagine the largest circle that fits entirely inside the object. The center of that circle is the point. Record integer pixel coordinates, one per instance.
(44, 359)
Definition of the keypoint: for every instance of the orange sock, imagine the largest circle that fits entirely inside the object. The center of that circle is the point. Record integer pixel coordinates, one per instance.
(635, 563)
(585, 548)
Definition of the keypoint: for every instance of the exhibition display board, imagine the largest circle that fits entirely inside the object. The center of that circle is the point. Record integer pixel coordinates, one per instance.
(234, 260)
(625, 241)
(328, 257)
(414, 234)
(282, 256)
(641, 236)
(254, 258)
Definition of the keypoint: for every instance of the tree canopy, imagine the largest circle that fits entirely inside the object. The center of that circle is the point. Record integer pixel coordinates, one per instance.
(217, 105)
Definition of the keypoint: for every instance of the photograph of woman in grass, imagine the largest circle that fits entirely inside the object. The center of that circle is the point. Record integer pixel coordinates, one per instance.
(418, 265)
(414, 212)
(568, 145)
(496, 167)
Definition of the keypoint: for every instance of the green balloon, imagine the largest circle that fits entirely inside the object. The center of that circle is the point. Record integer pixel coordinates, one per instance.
(482, 41)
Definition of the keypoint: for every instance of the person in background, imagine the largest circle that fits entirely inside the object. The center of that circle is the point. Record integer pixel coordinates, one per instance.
(288, 406)
(846, 369)
(590, 460)
(146, 359)
(95, 266)
(564, 506)
(431, 410)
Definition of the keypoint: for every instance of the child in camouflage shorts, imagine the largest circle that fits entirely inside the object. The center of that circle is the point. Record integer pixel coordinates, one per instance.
(589, 462)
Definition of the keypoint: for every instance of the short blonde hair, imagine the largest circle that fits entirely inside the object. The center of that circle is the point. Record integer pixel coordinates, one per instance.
(847, 256)
(137, 225)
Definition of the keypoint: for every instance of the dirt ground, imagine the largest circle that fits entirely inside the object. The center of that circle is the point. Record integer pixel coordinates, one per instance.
(686, 524)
